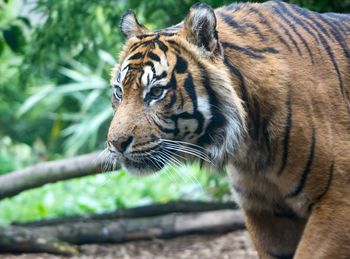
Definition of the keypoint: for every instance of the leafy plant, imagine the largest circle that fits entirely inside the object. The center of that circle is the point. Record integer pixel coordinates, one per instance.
(90, 93)
(14, 156)
(110, 191)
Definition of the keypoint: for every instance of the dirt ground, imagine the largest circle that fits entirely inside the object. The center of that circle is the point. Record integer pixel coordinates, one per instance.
(235, 245)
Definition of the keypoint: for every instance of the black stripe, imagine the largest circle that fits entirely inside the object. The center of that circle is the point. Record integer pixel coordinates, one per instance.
(181, 65)
(196, 115)
(286, 133)
(325, 190)
(290, 37)
(175, 45)
(156, 34)
(329, 51)
(165, 130)
(172, 101)
(337, 36)
(343, 25)
(142, 43)
(153, 56)
(161, 76)
(297, 19)
(144, 36)
(335, 64)
(191, 91)
(172, 42)
(258, 127)
(126, 67)
(218, 120)
(250, 51)
(137, 55)
(335, 30)
(144, 143)
(239, 76)
(263, 20)
(149, 63)
(172, 83)
(162, 46)
(307, 168)
(342, 28)
(242, 50)
(168, 34)
(229, 20)
(307, 20)
(294, 29)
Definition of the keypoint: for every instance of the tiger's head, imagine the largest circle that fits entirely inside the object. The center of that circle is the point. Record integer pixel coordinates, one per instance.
(172, 95)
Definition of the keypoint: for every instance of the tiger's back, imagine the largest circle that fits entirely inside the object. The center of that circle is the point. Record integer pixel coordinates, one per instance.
(292, 66)
(263, 89)
(295, 64)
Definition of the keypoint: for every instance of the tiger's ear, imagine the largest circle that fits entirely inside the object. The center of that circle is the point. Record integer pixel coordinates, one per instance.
(200, 27)
(129, 25)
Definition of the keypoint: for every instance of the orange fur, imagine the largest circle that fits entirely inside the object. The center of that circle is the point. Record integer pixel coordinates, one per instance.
(282, 72)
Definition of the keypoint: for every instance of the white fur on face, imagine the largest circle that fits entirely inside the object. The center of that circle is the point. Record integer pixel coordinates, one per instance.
(204, 107)
(123, 71)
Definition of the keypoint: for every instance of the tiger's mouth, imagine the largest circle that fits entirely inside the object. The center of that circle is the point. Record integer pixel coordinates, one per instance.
(143, 162)
(150, 161)
(144, 165)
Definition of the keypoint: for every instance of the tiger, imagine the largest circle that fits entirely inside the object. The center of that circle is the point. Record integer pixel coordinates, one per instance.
(261, 89)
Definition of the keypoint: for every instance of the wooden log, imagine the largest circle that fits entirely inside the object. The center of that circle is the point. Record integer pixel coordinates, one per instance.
(138, 212)
(50, 172)
(127, 229)
(147, 222)
(24, 241)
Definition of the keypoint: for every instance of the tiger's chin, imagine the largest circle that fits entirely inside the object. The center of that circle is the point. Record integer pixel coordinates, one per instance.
(141, 168)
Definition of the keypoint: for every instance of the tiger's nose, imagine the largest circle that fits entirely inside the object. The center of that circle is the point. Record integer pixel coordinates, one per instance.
(121, 143)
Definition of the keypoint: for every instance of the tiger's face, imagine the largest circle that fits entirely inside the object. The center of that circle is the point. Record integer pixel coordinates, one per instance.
(163, 96)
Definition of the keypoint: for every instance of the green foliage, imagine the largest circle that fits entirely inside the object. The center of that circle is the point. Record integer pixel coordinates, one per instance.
(14, 156)
(89, 92)
(110, 191)
(13, 38)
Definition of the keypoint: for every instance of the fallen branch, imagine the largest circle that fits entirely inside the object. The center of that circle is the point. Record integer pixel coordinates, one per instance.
(21, 240)
(49, 172)
(170, 225)
(61, 235)
(138, 212)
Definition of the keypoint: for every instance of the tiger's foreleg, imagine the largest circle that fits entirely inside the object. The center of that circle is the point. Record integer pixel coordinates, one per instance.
(327, 232)
(274, 236)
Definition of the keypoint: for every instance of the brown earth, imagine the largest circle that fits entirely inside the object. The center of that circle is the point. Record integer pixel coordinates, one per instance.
(235, 245)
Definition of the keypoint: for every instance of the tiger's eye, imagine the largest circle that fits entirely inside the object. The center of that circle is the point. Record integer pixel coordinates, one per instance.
(156, 92)
(118, 92)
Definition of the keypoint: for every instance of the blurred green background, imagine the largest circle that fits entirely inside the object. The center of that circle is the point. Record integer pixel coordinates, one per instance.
(55, 60)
